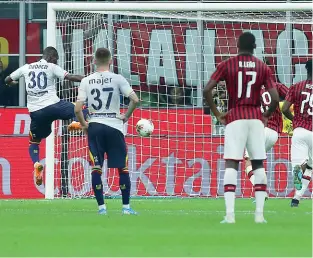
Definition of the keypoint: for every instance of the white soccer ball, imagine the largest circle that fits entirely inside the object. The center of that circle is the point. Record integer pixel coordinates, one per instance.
(144, 127)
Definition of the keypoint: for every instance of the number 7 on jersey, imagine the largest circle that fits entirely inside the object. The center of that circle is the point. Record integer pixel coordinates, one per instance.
(250, 83)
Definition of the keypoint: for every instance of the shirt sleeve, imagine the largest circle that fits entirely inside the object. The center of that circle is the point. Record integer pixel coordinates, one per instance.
(268, 79)
(59, 72)
(290, 95)
(17, 74)
(220, 72)
(124, 86)
(282, 90)
(82, 91)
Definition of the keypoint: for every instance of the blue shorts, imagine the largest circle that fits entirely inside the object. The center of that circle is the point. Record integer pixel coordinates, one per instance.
(105, 139)
(41, 120)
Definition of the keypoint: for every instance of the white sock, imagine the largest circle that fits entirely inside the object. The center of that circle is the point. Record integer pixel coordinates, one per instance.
(306, 178)
(230, 182)
(126, 206)
(251, 178)
(102, 207)
(260, 189)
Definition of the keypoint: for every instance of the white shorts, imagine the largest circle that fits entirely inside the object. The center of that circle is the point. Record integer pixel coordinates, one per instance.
(245, 133)
(301, 147)
(271, 137)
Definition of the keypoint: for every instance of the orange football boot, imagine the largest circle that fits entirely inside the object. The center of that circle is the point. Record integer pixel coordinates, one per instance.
(74, 126)
(38, 171)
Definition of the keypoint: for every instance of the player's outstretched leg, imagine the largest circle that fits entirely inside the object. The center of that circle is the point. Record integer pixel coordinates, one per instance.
(297, 176)
(97, 187)
(260, 189)
(75, 125)
(230, 183)
(305, 180)
(125, 189)
(34, 154)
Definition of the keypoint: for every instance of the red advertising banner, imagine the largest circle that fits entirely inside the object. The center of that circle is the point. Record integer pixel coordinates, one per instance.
(9, 39)
(164, 53)
(168, 165)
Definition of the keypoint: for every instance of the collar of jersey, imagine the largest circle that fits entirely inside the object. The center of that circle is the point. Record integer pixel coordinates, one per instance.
(43, 61)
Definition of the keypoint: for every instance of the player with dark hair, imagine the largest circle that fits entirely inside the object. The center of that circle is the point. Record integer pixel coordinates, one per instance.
(301, 96)
(42, 101)
(244, 76)
(105, 127)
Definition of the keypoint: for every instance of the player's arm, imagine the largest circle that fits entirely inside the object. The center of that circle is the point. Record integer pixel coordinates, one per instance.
(64, 75)
(133, 102)
(13, 78)
(282, 91)
(208, 90)
(128, 92)
(208, 95)
(287, 104)
(74, 77)
(81, 98)
(272, 90)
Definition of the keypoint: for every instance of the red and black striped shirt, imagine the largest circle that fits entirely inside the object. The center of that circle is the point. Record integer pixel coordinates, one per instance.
(301, 96)
(244, 76)
(275, 122)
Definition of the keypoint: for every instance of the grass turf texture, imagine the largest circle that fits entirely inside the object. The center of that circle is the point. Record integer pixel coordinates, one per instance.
(165, 227)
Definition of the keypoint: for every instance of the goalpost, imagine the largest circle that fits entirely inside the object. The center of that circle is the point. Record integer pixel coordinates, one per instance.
(167, 51)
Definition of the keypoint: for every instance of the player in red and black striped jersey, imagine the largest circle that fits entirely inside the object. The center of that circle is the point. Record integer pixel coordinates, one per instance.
(244, 76)
(275, 122)
(301, 96)
(274, 125)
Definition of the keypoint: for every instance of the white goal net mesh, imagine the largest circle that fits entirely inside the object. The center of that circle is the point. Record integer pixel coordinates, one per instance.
(168, 57)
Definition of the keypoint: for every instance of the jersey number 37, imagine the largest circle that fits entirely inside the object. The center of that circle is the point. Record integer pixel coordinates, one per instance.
(98, 97)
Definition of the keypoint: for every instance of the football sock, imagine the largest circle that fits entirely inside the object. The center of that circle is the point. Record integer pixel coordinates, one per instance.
(125, 185)
(306, 178)
(85, 113)
(34, 152)
(230, 182)
(250, 174)
(97, 185)
(260, 189)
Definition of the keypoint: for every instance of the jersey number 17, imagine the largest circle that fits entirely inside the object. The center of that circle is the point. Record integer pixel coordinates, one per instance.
(249, 84)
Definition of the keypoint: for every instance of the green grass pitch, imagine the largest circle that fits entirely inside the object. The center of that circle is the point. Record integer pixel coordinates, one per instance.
(165, 227)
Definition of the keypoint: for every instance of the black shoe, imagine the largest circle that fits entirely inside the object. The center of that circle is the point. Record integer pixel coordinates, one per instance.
(294, 203)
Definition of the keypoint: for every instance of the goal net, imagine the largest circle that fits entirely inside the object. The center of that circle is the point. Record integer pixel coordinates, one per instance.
(168, 55)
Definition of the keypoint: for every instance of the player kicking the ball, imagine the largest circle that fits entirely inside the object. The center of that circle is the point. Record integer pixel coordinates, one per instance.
(105, 127)
(274, 125)
(42, 101)
(244, 76)
(301, 95)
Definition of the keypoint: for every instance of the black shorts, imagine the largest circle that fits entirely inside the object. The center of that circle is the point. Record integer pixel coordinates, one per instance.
(105, 139)
(41, 120)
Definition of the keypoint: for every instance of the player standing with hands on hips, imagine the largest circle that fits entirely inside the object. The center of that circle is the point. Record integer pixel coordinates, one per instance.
(244, 75)
(105, 128)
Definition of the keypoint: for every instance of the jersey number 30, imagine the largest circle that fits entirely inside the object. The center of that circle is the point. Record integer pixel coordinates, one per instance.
(98, 98)
(40, 80)
(249, 84)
